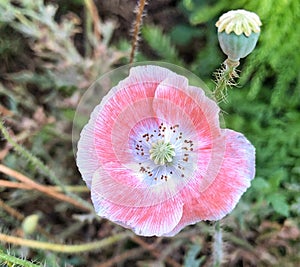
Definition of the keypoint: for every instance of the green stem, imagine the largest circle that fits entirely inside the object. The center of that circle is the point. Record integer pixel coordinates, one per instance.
(41, 166)
(64, 248)
(225, 77)
(8, 259)
(217, 245)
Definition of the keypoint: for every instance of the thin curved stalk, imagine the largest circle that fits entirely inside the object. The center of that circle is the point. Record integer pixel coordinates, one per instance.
(71, 249)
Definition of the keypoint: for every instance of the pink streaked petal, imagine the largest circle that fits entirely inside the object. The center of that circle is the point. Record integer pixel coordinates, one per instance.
(126, 187)
(86, 157)
(191, 100)
(126, 104)
(138, 112)
(208, 106)
(220, 198)
(147, 221)
(147, 73)
(140, 75)
(99, 128)
(202, 114)
(141, 83)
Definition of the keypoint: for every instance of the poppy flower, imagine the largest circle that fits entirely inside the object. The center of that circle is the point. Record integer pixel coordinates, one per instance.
(155, 157)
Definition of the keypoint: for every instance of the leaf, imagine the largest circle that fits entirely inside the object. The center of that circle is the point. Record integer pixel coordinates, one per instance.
(279, 204)
(191, 259)
(260, 184)
(161, 44)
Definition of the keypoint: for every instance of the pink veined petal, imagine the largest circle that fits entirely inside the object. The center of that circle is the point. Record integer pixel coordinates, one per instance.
(96, 135)
(130, 102)
(203, 114)
(136, 194)
(147, 73)
(147, 221)
(220, 198)
(87, 160)
(203, 111)
(208, 106)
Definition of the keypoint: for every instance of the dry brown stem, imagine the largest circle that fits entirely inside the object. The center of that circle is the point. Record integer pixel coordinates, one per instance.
(136, 28)
(44, 189)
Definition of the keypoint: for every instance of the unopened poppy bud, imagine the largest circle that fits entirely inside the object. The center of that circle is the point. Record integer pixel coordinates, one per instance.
(238, 32)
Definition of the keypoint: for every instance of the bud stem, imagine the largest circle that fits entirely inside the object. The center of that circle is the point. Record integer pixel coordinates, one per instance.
(225, 77)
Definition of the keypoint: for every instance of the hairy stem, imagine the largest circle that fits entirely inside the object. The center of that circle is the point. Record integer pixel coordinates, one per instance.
(136, 28)
(64, 248)
(225, 77)
(9, 259)
(217, 245)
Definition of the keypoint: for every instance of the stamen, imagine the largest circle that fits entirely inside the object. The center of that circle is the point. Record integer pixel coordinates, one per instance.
(162, 152)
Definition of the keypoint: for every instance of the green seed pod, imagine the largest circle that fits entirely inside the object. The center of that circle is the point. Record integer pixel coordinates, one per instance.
(237, 46)
(238, 32)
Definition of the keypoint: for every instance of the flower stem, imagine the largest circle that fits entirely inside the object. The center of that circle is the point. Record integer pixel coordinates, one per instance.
(11, 261)
(137, 26)
(225, 77)
(41, 166)
(64, 248)
(217, 245)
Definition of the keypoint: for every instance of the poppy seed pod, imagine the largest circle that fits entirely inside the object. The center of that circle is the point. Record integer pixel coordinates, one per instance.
(238, 32)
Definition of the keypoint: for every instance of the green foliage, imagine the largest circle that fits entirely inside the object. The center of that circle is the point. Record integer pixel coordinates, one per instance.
(275, 134)
(191, 259)
(182, 34)
(161, 44)
(9, 45)
(276, 60)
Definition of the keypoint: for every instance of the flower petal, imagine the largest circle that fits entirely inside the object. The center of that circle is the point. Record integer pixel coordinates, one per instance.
(183, 102)
(87, 160)
(95, 146)
(147, 221)
(220, 198)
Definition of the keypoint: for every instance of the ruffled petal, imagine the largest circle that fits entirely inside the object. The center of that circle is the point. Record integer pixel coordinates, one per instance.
(122, 106)
(126, 187)
(87, 160)
(175, 100)
(220, 198)
(126, 104)
(147, 221)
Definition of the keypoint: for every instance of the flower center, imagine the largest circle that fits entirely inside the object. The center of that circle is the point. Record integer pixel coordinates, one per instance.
(162, 152)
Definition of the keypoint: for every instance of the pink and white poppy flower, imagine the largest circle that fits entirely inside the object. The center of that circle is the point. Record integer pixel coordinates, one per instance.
(155, 158)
